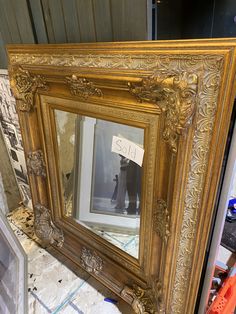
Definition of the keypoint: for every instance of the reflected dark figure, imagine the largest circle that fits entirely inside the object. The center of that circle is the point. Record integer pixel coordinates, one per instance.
(121, 192)
(114, 195)
(133, 183)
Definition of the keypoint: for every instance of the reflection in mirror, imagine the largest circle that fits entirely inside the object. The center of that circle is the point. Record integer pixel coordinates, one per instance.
(101, 169)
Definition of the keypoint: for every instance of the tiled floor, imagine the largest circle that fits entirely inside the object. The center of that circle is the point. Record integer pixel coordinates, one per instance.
(52, 287)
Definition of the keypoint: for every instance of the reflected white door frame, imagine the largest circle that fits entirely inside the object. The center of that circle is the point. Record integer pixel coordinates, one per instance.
(84, 167)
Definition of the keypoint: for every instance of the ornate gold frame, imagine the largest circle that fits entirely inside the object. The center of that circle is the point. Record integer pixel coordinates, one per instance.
(181, 92)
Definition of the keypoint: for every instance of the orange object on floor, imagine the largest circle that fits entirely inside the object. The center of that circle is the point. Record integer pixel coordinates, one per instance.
(225, 301)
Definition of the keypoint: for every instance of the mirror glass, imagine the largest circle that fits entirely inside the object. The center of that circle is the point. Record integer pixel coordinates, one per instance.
(101, 171)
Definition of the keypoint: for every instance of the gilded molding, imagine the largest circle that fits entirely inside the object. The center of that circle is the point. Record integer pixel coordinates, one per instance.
(82, 87)
(205, 117)
(44, 227)
(209, 69)
(91, 261)
(142, 61)
(175, 95)
(159, 296)
(161, 220)
(35, 163)
(142, 300)
(25, 85)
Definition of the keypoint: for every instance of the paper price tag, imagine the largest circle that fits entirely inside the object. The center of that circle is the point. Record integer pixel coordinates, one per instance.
(127, 149)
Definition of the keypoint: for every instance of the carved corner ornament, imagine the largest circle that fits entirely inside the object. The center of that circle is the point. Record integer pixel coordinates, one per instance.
(142, 299)
(91, 261)
(161, 220)
(25, 85)
(175, 94)
(35, 163)
(82, 87)
(44, 227)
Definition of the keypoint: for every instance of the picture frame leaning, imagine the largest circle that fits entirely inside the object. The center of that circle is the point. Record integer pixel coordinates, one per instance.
(181, 93)
(13, 271)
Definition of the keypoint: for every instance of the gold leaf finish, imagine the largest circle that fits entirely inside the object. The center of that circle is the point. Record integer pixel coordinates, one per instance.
(179, 104)
(205, 116)
(137, 61)
(91, 261)
(35, 163)
(142, 300)
(82, 87)
(159, 296)
(175, 94)
(25, 85)
(44, 227)
(161, 220)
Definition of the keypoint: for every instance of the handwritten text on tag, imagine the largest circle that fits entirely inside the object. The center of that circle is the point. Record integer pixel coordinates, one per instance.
(127, 149)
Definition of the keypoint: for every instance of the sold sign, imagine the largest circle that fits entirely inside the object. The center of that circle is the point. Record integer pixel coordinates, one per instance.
(127, 149)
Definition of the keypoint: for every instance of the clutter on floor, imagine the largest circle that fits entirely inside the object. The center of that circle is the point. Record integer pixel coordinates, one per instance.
(52, 287)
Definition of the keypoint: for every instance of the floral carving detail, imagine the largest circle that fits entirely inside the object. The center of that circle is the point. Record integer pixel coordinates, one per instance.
(205, 116)
(82, 87)
(175, 94)
(25, 85)
(111, 61)
(91, 261)
(36, 164)
(142, 300)
(161, 220)
(44, 227)
(209, 69)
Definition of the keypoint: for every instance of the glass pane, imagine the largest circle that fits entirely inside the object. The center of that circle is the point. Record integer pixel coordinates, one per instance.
(101, 171)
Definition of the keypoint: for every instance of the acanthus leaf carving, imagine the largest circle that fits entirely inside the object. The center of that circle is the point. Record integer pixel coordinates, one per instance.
(45, 228)
(142, 299)
(91, 261)
(161, 220)
(82, 87)
(209, 69)
(25, 85)
(35, 163)
(205, 117)
(175, 94)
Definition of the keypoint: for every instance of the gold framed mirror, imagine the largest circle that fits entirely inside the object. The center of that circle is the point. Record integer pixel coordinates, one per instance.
(124, 143)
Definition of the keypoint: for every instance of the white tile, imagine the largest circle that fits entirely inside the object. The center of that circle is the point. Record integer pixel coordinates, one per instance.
(67, 310)
(91, 301)
(34, 306)
(29, 246)
(53, 281)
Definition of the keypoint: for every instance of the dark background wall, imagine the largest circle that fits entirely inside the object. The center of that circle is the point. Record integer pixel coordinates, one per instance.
(64, 21)
(195, 19)
(74, 21)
